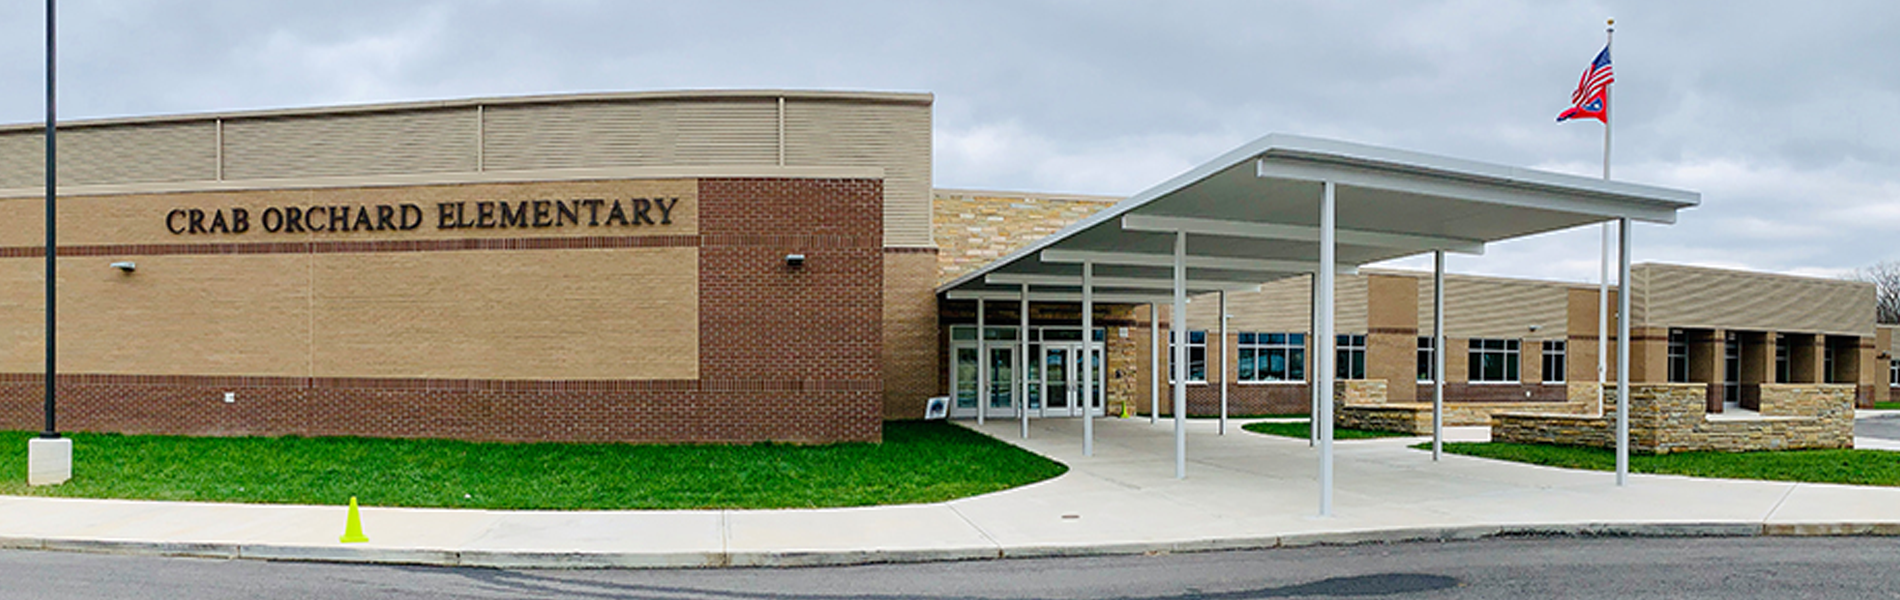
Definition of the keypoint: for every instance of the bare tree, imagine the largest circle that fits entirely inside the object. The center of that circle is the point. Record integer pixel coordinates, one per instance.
(1885, 276)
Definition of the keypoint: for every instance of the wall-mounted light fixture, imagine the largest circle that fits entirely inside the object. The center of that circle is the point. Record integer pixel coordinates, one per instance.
(794, 260)
(126, 266)
(1536, 327)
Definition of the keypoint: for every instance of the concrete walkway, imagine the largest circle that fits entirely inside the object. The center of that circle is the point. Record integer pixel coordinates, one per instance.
(1243, 491)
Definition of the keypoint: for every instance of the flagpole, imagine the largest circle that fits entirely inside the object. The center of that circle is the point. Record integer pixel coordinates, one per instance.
(1603, 278)
(1623, 292)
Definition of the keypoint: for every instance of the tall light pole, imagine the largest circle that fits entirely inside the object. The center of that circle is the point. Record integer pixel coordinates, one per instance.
(50, 457)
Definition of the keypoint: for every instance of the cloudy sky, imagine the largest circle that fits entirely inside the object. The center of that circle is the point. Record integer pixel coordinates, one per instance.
(1785, 116)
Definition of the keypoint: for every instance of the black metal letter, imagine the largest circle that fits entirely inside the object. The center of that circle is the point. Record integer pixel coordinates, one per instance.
(640, 208)
(411, 217)
(666, 209)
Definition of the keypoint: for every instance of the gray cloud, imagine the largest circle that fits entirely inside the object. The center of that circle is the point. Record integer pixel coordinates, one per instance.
(1780, 114)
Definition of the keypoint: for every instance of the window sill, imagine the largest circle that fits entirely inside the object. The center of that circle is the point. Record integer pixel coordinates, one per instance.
(1495, 383)
(1270, 383)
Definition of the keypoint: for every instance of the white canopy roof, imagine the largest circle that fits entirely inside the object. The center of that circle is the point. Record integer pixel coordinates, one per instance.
(1253, 215)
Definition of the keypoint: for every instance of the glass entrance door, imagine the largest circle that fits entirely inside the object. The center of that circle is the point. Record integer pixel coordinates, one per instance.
(1056, 377)
(1003, 387)
(1062, 375)
(963, 381)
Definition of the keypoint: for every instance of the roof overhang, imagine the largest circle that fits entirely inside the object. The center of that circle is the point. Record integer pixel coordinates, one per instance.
(1253, 215)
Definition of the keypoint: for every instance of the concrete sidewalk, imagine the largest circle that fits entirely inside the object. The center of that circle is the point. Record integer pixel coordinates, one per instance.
(1243, 491)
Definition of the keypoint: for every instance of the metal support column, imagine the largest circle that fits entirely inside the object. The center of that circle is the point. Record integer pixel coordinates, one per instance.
(1328, 234)
(1223, 362)
(1623, 353)
(1603, 317)
(1312, 362)
(1022, 361)
(1154, 362)
(1177, 321)
(1438, 354)
(982, 367)
(1088, 358)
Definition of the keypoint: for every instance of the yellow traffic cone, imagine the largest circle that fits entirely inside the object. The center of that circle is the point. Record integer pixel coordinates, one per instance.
(353, 528)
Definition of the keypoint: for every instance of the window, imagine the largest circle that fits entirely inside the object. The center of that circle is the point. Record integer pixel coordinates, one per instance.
(1493, 361)
(1272, 356)
(1678, 358)
(1893, 372)
(1197, 357)
(1554, 361)
(1350, 357)
(1425, 363)
(1781, 359)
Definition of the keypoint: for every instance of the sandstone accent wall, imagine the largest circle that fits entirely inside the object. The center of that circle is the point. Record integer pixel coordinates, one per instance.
(1666, 418)
(1398, 418)
(973, 229)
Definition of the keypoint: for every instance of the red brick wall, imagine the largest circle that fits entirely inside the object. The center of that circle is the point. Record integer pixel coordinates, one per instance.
(786, 354)
(786, 331)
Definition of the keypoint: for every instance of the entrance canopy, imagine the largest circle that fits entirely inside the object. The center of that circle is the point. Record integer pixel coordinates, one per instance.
(1284, 206)
(1253, 216)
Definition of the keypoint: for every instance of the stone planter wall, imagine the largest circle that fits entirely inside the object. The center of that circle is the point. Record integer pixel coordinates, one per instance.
(1666, 418)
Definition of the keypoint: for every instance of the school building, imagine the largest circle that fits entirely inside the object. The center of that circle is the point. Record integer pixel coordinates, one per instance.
(739, 266)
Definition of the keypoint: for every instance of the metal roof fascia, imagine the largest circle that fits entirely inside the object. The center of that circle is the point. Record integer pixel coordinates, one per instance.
(1316, 150)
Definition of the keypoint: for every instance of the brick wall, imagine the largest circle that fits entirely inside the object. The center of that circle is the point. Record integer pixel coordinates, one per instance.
(783, 353)
(911, 345)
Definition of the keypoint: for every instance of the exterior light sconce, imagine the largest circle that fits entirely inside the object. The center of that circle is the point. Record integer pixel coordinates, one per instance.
(1536, 327)
(794, 260)
(126, 266)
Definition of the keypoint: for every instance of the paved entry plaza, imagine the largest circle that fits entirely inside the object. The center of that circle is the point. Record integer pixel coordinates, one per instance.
(1244, 487)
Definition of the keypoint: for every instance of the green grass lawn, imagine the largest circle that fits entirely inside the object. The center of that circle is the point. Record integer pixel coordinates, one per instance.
(1887, 405)
(1301, 429)
(918, 462)
(1856, 467)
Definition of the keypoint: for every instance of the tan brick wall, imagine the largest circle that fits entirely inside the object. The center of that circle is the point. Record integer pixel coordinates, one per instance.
(141, 218)
(1392, 334)
(973, 229)
(911, 344)
(1887, 344)
(457, 315)
(547, 314)
(704, 338)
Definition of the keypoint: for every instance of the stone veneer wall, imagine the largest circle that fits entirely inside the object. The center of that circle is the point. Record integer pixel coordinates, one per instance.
(1672, 417)
(1363, 407)
(1361, 404)
(973, 229)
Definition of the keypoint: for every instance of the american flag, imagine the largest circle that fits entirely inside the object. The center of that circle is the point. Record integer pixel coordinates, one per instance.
(1591, 100)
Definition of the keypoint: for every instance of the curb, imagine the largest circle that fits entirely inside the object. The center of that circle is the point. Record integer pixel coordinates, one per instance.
(501, 559)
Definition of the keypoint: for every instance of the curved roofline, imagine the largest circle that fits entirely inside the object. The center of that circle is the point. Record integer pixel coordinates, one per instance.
(923, 98)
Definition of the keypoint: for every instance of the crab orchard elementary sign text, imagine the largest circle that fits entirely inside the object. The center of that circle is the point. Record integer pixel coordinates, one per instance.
(486, 214)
